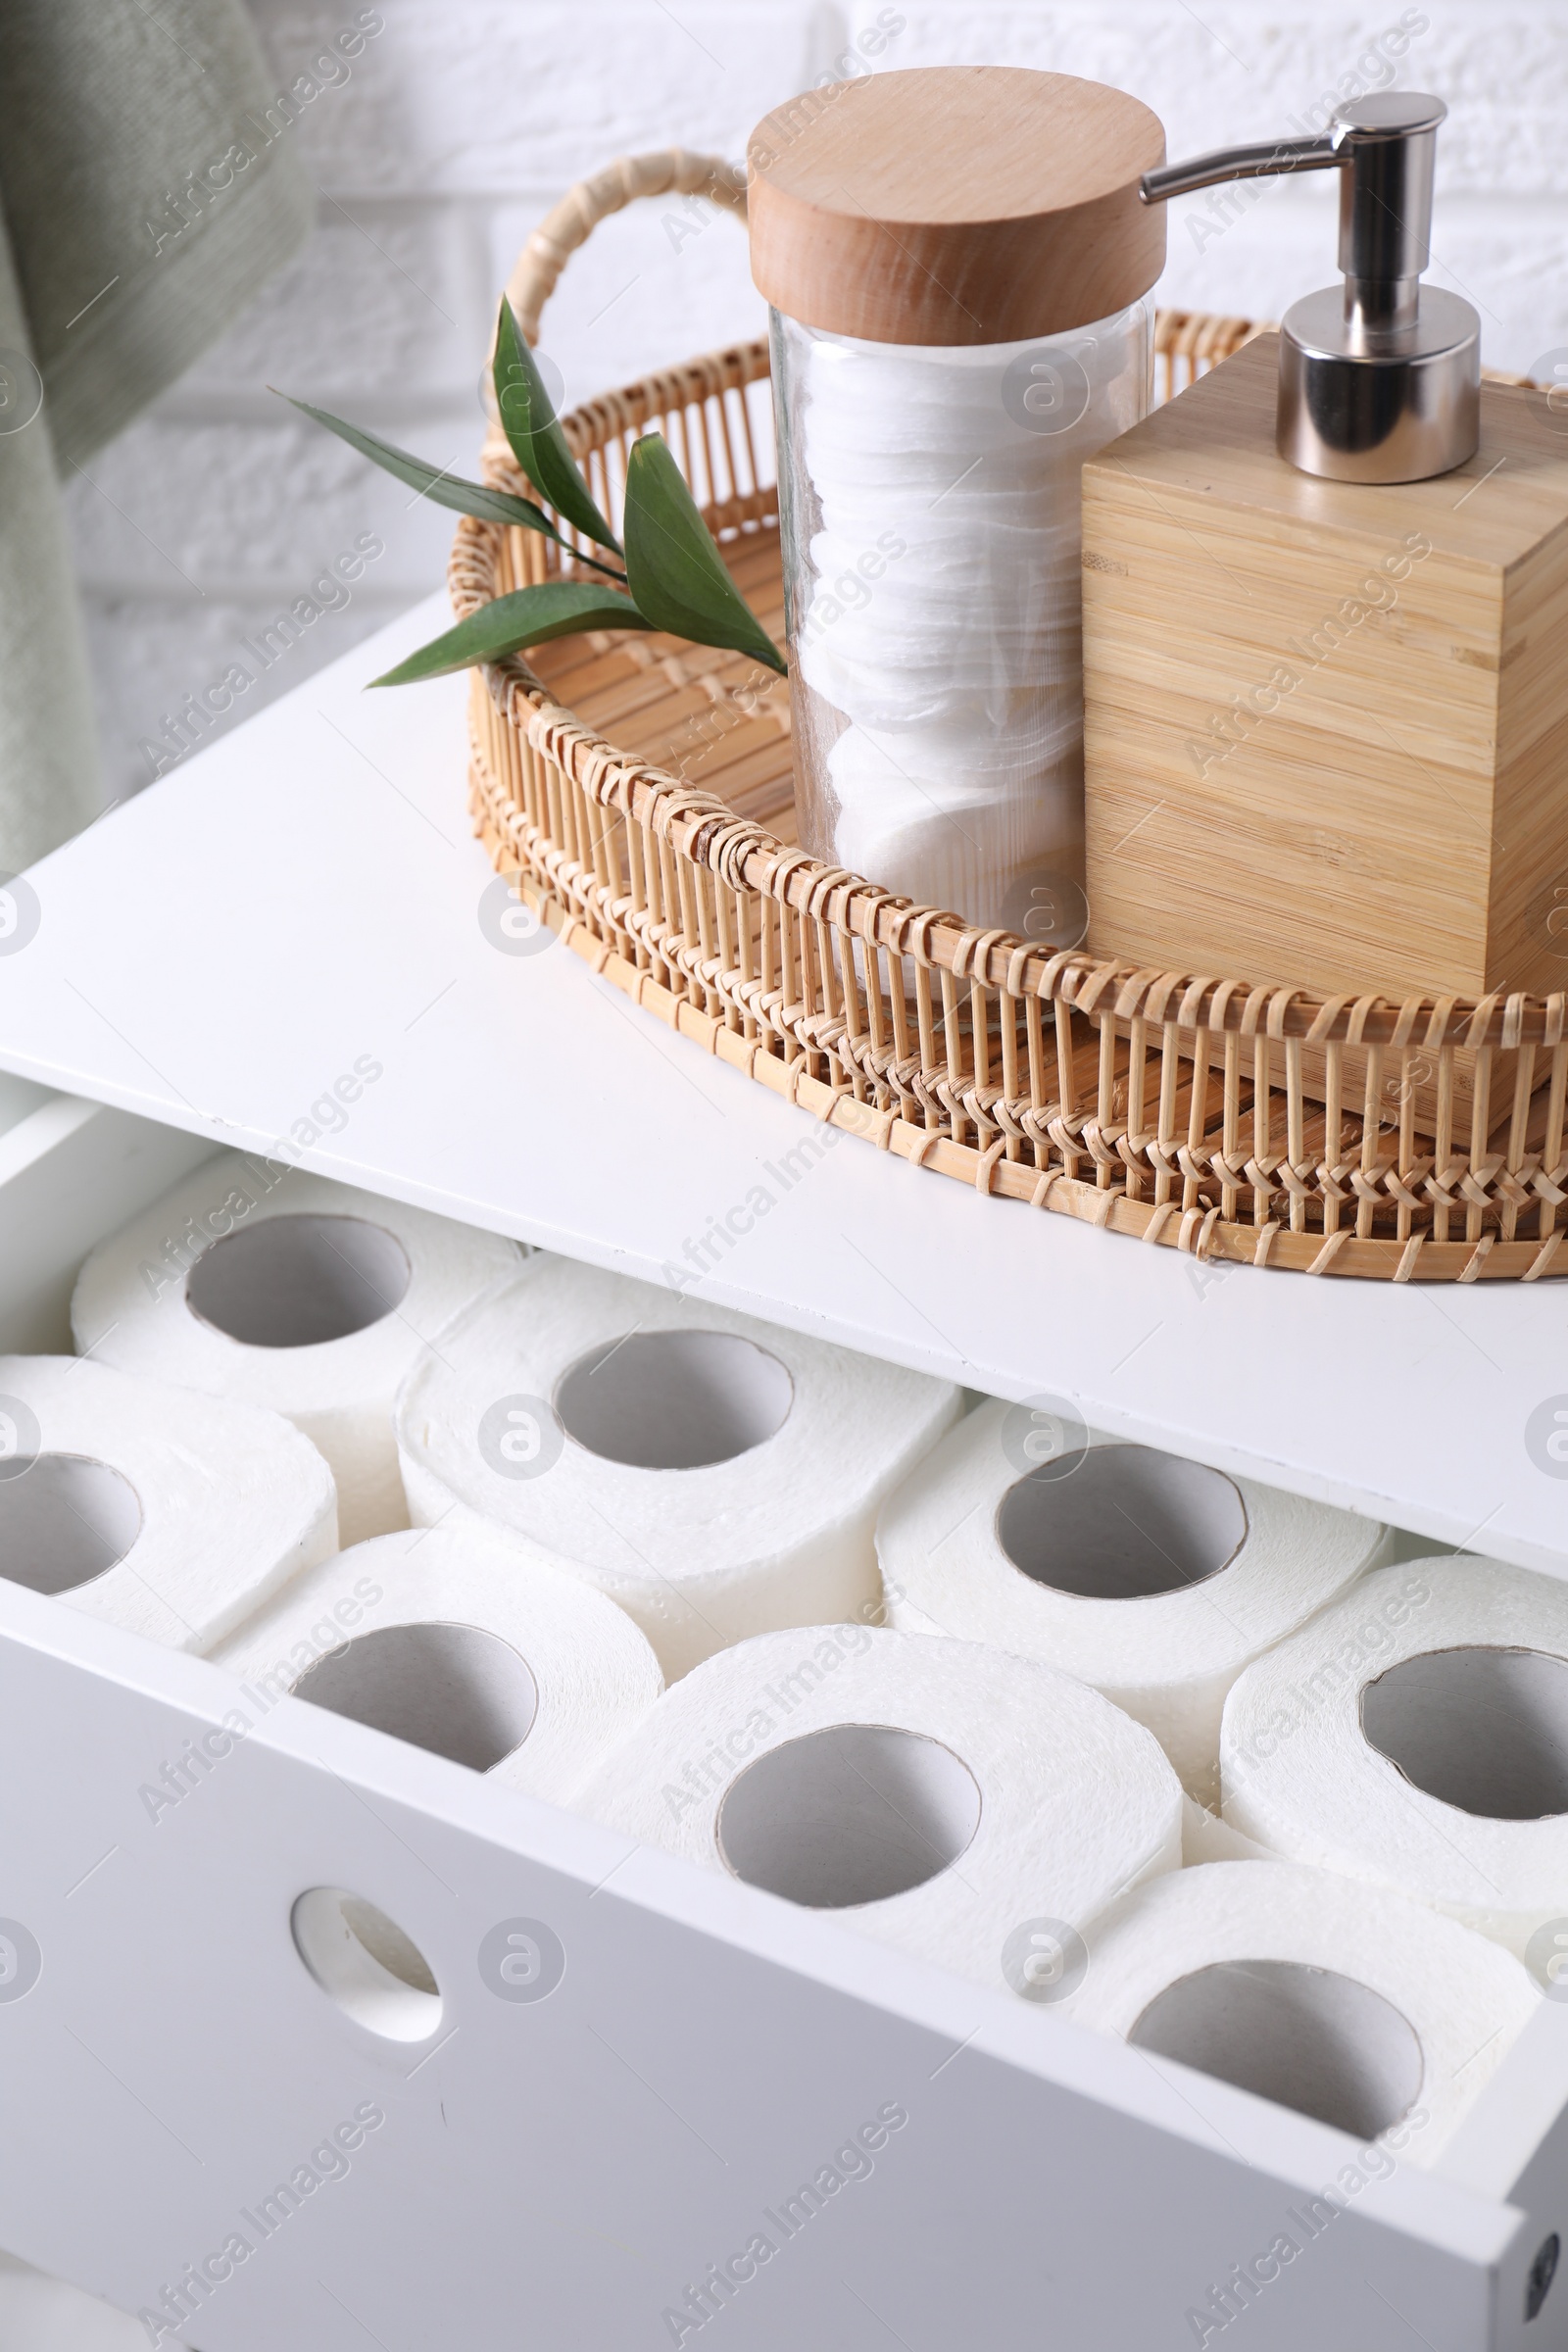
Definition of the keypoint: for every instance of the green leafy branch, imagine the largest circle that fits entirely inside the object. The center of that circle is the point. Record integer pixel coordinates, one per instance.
(674, 576)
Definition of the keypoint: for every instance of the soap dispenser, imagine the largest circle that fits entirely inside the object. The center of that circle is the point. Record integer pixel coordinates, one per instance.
(1325, 619)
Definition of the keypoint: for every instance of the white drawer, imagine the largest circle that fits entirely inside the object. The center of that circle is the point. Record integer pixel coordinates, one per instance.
(568, 2170)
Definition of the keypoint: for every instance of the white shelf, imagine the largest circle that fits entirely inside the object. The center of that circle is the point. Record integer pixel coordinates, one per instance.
(215, 953)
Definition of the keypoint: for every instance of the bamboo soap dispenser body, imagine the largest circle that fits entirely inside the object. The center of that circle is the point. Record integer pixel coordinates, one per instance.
(1326, 725)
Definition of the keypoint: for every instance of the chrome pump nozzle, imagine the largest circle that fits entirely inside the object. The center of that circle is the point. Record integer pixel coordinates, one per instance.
(1382, 383)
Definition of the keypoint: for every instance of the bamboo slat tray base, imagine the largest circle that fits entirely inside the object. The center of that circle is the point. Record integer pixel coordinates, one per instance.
(640, 789)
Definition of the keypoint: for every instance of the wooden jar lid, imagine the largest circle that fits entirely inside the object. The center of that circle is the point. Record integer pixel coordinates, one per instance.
(956, 204)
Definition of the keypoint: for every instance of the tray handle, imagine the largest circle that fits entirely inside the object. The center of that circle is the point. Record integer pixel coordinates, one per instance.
(668, 171)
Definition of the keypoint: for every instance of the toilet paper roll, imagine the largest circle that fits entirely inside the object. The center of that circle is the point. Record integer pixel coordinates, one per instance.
(154, 1508)
(1416, 1734)
(713, 1475)
(1344, 2002)
(939, 1796)
(255, 1281)
(1152, 1578)
(451, 1641)
(1207, 1837)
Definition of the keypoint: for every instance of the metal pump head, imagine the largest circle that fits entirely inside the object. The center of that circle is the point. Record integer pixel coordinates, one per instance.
(1381, 383)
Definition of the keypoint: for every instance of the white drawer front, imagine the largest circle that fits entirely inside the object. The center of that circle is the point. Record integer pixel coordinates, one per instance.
(662, 2137)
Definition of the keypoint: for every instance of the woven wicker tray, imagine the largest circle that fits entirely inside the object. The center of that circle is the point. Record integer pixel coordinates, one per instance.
(641, 789)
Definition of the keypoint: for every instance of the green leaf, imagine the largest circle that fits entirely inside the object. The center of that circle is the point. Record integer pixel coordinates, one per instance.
(444, 489)
(537, 441)
(528, 616)
(673, 568)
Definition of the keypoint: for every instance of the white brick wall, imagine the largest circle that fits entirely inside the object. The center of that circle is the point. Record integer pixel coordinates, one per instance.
(464, 119)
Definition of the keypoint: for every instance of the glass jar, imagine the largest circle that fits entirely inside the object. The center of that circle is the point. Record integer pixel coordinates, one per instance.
(930, 516)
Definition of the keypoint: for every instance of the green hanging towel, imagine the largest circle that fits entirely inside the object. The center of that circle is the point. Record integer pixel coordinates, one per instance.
(148, 187)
